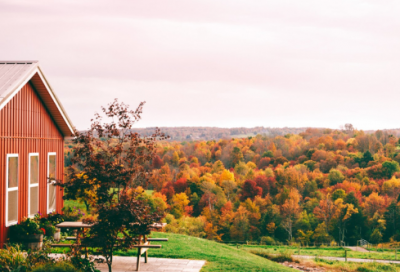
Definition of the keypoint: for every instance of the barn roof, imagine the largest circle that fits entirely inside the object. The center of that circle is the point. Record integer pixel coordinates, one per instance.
(15, 74)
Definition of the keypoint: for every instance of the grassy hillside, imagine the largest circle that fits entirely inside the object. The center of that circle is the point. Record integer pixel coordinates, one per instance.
(219, 257)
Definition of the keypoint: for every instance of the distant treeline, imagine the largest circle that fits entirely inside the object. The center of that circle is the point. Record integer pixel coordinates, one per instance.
(216, 133)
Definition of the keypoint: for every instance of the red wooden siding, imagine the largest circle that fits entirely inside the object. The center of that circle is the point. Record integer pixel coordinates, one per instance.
(27, 127)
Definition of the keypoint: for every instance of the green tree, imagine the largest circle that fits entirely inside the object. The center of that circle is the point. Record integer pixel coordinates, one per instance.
(338, 193)
(389, 168)
(335, 176)
(320, 234)
(376, 237)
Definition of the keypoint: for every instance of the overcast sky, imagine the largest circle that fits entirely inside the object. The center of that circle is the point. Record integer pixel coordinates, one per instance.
(216, 63)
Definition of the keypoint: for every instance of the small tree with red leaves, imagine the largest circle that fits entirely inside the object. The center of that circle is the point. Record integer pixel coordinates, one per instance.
(267, 184)
(264, 163)
(157, 162)
(108, 162)
(168, 190)
(250, 190)
(180, 185)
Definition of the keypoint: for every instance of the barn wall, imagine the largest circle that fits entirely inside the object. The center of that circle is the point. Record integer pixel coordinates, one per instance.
(27, 127)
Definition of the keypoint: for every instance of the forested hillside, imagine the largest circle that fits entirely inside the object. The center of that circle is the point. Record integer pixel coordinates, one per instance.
(320, 186)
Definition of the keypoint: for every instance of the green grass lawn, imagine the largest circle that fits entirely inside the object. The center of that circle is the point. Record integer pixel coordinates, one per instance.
(73, 204)
(324, 251)
(219, 257)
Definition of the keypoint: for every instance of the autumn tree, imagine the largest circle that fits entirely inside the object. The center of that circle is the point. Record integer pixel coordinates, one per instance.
(290, 211)
(157, 162)
(321, 235)
(325, 212)
(159, 177)
(266, 184)
(179, 203)
(240, 226)
(250, 190)
(168, 190)
(113, 158)
(343, 213)
(180, 185)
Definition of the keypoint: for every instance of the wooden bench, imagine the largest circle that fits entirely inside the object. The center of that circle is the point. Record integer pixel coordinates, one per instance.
(143, 249)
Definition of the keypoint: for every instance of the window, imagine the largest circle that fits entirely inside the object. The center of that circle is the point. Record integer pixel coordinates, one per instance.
(51, 187)
(11, 189)
(33, 200)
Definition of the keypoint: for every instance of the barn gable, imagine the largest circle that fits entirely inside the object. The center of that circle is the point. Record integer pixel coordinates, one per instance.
(16, 74)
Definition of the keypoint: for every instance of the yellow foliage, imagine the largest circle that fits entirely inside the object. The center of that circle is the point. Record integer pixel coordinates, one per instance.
(226, 175)
(251, 165)
(392, 187)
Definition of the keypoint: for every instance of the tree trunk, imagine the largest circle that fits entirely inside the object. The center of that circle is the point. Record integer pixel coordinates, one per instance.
(109, 263)
(87, 206)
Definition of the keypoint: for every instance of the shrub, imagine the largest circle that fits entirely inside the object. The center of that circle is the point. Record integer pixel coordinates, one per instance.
(83, 264)
(26, 228)
(72, 214)
(266, 240)
(285, 256)
(56, 267)
(49, 229)
(12, 259)
(55, 218)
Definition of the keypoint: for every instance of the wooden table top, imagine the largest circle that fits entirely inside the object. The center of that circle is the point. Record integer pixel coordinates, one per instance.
(158, 225)
(73, 225)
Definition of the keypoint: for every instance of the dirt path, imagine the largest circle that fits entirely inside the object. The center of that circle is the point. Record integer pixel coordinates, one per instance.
(357, 248)
(356, 260)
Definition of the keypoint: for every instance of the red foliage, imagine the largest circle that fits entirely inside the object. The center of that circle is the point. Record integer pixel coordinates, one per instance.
(188, 210)
(250, 190)
(168, 190)
(264, 162)
(180, 185)
(157, 162)
(227, 207)
(265, 183)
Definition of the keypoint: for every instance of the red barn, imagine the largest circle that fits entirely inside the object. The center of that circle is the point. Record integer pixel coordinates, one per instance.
(33, 125)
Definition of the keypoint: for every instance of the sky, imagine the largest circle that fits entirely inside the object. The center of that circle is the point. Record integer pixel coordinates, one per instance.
(285, 63)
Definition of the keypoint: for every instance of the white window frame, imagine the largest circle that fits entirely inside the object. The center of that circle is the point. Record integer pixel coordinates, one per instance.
(32, 185)
(11, 190)
(48, 183)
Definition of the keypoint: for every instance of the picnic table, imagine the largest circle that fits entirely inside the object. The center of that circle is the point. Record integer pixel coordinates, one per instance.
(83, 227)
(80, 228)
